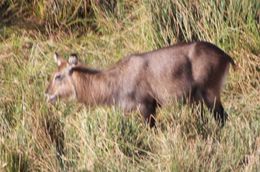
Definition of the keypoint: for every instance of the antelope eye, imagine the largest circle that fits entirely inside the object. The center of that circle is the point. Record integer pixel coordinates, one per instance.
(58, 77)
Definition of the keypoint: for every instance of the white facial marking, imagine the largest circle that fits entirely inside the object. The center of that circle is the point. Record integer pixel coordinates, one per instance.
(51, 98)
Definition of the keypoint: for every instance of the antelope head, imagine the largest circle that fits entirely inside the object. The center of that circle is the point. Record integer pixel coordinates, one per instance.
(61, 84)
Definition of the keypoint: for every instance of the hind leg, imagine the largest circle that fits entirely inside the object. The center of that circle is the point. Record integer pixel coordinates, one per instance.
(220, 115)
(211, 98)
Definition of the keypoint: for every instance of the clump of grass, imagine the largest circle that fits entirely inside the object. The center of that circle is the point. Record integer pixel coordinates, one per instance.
(222, 22)
(71, 137)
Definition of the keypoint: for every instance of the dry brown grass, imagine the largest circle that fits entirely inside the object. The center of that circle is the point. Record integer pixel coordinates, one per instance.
(33, 133)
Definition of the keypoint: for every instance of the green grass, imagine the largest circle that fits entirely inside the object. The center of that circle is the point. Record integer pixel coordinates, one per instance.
(35, 136)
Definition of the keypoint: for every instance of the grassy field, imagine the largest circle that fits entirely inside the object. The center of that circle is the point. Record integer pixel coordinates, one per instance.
(35, 136)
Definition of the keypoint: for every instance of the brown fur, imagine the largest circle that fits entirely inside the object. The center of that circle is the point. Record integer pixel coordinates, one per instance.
(148, 80)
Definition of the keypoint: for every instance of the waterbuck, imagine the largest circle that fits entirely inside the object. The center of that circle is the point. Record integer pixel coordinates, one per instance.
(194, 71)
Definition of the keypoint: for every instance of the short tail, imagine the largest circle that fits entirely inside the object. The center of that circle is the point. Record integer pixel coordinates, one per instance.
(232, 62)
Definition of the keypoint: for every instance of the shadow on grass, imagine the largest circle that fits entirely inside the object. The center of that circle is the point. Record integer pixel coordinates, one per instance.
(54, 128)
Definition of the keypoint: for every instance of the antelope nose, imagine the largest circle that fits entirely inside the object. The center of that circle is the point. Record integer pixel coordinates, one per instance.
(50, 98)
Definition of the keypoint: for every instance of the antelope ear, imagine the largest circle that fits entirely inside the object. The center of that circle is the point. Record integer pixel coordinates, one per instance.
(57, 58)
(73, 60)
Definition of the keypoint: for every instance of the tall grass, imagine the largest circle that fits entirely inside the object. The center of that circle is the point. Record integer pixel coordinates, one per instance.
(35, 136)
(217, 21)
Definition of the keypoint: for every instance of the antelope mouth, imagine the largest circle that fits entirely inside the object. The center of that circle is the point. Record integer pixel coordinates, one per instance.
(51, 98)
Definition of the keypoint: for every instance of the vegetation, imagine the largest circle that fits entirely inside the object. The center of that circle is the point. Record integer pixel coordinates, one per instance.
(35, 136)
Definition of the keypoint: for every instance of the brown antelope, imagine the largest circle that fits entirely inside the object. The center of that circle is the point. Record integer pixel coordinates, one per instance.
(145, 81)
